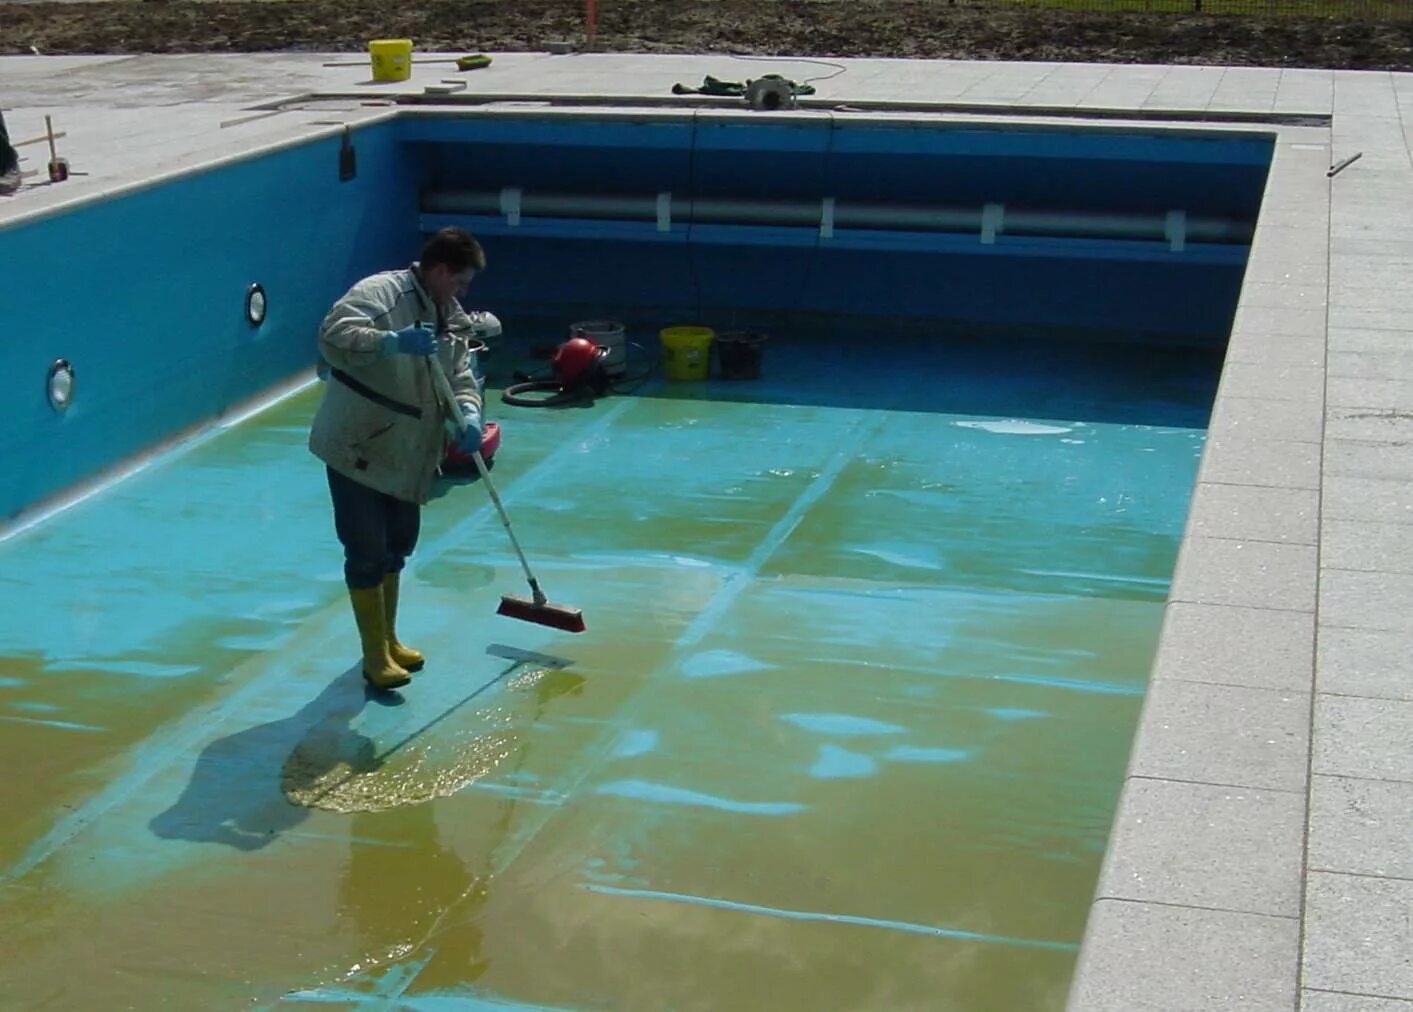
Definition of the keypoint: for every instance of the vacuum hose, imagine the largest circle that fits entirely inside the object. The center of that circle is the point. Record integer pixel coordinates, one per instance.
(578, 375)
(558, 395)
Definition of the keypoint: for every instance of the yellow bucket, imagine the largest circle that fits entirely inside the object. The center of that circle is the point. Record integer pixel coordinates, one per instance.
(392, 59)
(686, 352)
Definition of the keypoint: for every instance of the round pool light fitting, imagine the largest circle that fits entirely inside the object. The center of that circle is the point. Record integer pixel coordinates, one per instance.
(255, 305)
(60, 385)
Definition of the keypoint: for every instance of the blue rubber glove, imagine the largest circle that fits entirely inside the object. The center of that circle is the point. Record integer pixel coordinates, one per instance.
(415, 340)
(470, 439)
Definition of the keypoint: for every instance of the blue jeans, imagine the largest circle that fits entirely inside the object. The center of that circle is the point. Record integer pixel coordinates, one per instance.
(378, 532)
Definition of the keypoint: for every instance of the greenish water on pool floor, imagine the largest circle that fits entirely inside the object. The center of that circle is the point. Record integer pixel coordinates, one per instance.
(866, 649)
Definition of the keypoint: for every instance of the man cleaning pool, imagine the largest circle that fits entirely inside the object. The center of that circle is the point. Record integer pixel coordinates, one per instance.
(380, 428)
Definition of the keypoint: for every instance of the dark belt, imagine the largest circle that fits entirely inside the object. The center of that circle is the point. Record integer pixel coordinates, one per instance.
(380, 399)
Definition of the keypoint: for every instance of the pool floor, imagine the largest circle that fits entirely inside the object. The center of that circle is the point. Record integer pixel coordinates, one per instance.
(867, 643)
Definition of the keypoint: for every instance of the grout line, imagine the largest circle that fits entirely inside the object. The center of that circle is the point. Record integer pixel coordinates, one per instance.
(1209, 783)
(1242, 484)
(1191, 906)
(1253, 607)
(1401, 630)
(1258, 541)
(1367, 780)
(1360, 874)
(1367, 571)
(1361, 994)
(1267, 485)
(1360, 695)
(1233, 685)
(1315, 654)
(1372, 780)
(1381, 572)
(1241, 607)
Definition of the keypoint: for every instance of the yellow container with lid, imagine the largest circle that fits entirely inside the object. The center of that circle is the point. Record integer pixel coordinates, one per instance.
(392, 59)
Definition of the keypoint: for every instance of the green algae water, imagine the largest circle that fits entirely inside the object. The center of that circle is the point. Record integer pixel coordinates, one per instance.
(867, 642)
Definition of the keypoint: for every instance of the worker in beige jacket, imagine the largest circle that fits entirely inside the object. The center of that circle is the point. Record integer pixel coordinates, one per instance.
(381, 430)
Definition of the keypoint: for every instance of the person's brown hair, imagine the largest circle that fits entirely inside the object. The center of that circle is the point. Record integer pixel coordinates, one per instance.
(455, 249)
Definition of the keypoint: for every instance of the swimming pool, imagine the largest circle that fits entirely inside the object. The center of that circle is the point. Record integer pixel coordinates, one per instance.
(868, 636)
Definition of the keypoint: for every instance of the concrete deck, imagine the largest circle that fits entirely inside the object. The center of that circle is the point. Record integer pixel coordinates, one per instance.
(1261, 857)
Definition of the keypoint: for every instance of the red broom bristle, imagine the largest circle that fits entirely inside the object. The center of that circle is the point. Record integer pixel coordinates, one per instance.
(553, 615)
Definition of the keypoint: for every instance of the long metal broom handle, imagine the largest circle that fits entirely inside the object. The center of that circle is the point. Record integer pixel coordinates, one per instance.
(453, 412)
(505, 520)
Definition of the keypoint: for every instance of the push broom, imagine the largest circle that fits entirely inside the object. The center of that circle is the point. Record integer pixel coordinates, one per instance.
(537, 608)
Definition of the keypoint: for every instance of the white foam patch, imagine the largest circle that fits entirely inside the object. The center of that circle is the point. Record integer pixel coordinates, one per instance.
(1016, 427)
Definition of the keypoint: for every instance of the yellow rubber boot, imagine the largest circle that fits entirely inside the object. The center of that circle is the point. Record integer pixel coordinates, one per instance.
(379, 669)
(401, 654)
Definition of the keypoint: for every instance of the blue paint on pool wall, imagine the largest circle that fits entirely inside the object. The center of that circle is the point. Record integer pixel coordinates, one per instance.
(157, 346)
(1126, 289)
(198, 356)
(666, 794)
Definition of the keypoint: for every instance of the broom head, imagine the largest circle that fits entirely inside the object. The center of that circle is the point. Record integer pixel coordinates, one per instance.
(556, 616)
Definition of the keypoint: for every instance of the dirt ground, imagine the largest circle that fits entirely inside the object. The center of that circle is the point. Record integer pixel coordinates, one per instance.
(897, 28)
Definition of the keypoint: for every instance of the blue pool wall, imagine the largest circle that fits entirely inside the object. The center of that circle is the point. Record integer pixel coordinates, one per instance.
(1119, 290)
(145, 295)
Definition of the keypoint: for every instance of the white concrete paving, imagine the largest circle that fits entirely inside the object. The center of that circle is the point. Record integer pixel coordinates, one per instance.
(1262, 856)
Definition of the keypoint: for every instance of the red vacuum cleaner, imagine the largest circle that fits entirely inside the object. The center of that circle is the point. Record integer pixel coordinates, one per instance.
(577, 373)
(457, 463)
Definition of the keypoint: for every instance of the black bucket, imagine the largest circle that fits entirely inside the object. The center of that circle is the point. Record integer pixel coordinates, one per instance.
(739, 353)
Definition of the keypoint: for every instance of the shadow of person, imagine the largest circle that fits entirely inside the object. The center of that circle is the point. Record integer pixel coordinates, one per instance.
(240, 789)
